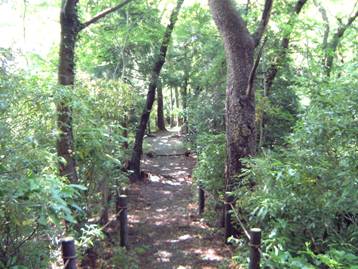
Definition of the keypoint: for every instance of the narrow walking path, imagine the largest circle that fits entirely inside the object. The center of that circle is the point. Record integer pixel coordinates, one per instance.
(163, 216)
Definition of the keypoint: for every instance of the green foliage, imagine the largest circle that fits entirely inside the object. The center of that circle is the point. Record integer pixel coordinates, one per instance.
(277, 112)
(304, 192)
(307, 191)
(209, 170)
(101, 108)
(34, 201)
(124, 259)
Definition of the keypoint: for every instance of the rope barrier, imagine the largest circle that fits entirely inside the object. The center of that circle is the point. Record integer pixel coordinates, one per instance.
(115, 216)
(240, 222)
(68, 259)
(247, 234)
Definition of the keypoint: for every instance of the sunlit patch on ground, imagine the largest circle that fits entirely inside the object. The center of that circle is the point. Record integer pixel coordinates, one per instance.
(163, 256)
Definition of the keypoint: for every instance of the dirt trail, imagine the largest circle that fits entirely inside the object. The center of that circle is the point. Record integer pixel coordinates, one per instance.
(163, 217)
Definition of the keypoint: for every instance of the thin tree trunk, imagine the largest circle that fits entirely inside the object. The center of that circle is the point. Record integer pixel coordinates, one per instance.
(271, 73)
(104, 188)
(184, 98)
(66, 75)
(177, 104)
(324, 15)
(333, 44)
(138, 144)
(125, 130)
(160, 108)
(149, 130)
(171, 108)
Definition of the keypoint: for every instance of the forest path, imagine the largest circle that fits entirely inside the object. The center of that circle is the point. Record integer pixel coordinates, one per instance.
(163, 219)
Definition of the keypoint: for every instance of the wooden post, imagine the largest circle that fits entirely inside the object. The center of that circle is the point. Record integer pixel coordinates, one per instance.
(201, 201)
(123, 220)
(255, 242)
(229, 227)
(69, 253)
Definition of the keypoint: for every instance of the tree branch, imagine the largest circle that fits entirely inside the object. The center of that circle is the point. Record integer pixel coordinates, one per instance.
(250, 85)
(343, 28)
(264, 21)
(323, 12)
(333, 44)
(68, 6)
(273, 69)
(102, 14)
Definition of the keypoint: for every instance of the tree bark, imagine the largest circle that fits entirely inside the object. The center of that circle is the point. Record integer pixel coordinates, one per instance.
(240, 108)
(66, 75)
(138, 144)
(240, 102)
(160, 108)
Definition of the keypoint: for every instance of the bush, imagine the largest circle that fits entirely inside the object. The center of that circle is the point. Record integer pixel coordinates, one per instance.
(307, 192)
(209, 170)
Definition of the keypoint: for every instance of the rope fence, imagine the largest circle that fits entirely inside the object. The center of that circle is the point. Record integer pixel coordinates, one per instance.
(68, 244)
(253, 235)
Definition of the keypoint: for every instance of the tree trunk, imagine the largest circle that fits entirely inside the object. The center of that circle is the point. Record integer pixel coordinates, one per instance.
(240, 109)
(171, 108)
(125, 131)
(184, 98)
(332, 46)
(65, 143)
(138, 144)
(160, 108)
(177, 104)
(240, 93)
(148, 130)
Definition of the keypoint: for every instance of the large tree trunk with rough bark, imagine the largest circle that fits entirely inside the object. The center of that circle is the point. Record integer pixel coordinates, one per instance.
(160, 108)
(240, 109)
(157, 67)
(240, 94)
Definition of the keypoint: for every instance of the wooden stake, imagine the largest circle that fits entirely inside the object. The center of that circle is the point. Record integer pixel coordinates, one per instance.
(123, 220)
(69, 253)
(255, 242)
(201, 201)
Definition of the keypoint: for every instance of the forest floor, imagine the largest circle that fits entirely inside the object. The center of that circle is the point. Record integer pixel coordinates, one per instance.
(163, 220)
